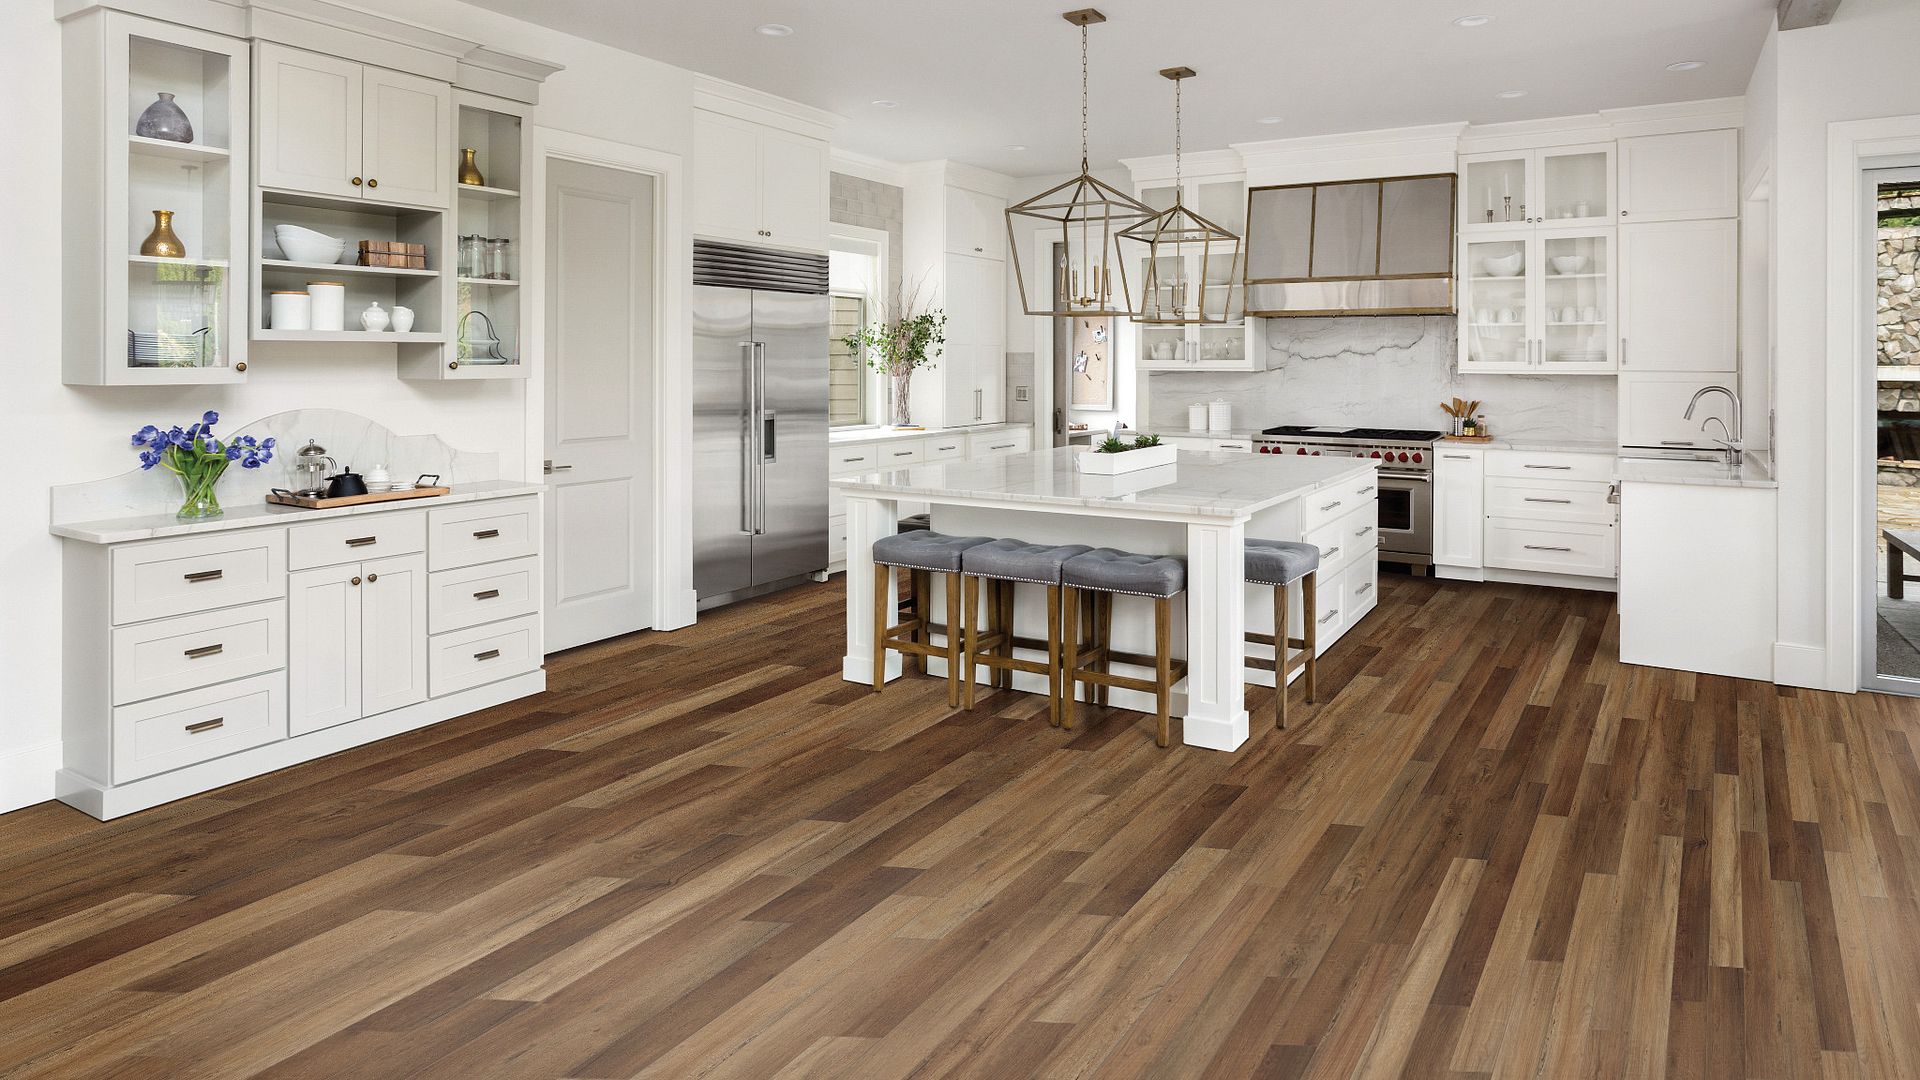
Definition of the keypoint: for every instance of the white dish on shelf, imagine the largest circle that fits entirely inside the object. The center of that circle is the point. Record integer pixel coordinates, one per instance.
(1501, 265)
(308, 246)
(1569, 264)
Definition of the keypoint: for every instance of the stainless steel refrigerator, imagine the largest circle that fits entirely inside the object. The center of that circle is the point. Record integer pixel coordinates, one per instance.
(760, 322)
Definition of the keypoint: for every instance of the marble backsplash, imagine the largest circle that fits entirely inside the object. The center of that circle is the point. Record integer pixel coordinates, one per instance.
(1390, 371)
(350, 439)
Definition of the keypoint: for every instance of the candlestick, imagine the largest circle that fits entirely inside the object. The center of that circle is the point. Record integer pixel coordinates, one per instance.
(1507, 203)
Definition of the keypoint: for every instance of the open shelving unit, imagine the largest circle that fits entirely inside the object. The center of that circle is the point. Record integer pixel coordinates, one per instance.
(353, 219)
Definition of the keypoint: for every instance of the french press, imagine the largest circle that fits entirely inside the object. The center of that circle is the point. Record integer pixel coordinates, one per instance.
(311, 468)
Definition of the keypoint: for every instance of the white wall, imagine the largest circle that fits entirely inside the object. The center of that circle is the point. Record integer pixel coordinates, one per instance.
(1860, 66)
(80, 433)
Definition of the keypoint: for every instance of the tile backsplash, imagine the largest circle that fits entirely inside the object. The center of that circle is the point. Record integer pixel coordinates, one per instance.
(1388, 371)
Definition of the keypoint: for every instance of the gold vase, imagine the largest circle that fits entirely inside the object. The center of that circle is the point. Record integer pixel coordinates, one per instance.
(161, 242)
(469, 172)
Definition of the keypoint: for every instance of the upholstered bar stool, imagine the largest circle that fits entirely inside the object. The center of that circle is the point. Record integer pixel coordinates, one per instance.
(1106, 573)
(1281, 563)
(1002, 565)
(921, 553)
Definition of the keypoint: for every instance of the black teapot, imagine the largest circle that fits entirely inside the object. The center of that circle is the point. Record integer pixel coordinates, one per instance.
(346, 484)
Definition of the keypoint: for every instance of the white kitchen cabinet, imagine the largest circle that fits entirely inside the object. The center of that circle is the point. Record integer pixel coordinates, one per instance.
(1458, 506)
(1511, 192)
(327, 126)
(757, 184)
(1684, 176)
(976, 224)
(1216, 290)
(1698, 574)
(1539, 303)
(1679, 296)
(955, 256)
(358, 641)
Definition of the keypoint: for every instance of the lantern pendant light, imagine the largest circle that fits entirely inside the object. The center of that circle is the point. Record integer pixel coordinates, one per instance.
(1173, 291)
(1089, 215)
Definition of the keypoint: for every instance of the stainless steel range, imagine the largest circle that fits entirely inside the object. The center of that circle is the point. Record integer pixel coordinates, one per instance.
(1406, 478)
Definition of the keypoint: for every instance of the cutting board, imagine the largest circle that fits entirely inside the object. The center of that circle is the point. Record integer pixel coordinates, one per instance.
(312, 502)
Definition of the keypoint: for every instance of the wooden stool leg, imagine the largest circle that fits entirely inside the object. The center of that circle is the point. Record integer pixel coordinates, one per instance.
(1105, 600)
(1309, 605)
(970, 618)
(1006, 624)
(1163, 666)
(1053, 655)
(1070, 663)
(917, 591)
(953, 640)
(882, 600)
(1280, 657)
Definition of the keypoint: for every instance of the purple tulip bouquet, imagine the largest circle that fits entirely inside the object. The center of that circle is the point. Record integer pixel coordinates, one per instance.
(199, 459)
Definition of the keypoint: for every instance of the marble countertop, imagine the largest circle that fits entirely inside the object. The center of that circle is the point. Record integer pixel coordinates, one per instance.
(1236, 434)
(159, 526)
(1754, 472)
(1543, 444)
(885, 434)
(1198, 485)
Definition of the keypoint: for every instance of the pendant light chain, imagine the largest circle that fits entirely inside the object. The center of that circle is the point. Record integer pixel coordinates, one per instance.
(1176, 138)
(1083, 98)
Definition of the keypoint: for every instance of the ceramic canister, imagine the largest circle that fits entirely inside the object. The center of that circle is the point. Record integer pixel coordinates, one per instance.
(1197, 416)
(329, 304)
(290, 311)
(1220, 416)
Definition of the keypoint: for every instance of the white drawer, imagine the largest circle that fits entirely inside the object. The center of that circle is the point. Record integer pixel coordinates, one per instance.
(457, 599)
(1345, 539)
(837, 539)
(1542, 465)
(468, 658)
(844, 460)
(483, 532)
(362, 536)
(900, 453)
(1549, 500)
(996, 443)
(1329, 601)
(198, 573)
(1337, 500)
(199, 725)
(945, 447)
(1552, 547)
(158, 658)
(1361, 586)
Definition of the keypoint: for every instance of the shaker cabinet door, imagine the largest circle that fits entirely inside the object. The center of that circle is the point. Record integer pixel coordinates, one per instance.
(393, 633)
(307, 119)
(408, 154)
(793, 190)
(1679, 296)
(323, 648)
(726, 191)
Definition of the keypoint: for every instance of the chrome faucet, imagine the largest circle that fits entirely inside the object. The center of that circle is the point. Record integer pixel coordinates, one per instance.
(1735, 451)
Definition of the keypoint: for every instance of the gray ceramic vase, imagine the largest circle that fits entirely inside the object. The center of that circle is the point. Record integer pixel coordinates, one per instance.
(164, 120)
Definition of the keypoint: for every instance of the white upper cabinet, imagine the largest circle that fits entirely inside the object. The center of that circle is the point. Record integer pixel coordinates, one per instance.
(334, 127)
(757, 184)
(1560, 186)
(1679, 295)
(976, 224)
(1694, 174)
(955, 254)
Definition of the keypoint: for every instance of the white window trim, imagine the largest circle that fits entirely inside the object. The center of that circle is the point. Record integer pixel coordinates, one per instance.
(873, 243)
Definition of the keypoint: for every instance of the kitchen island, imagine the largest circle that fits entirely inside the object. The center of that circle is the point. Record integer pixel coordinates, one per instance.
(1202, 508)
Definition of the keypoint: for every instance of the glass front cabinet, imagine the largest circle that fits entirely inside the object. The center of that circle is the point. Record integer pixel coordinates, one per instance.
(155, 213)
(1558, 187)
(1217, 288)
(1539, 303)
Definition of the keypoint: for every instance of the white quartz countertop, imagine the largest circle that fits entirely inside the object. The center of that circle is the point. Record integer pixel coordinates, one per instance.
(1198, 485)
(1543, 444)
(1752, 473)
(886, 434)
(158, 526)
(1231, 434)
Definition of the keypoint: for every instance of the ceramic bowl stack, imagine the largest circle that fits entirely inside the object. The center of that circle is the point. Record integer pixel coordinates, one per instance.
(1501, 265)
(1569, 264)
(307, 246)
(166, 350)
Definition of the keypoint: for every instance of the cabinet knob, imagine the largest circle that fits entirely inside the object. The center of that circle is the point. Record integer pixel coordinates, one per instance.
(356, 181)
(1623, 213)
(453, 365)
(371, 578)
(241, 366)
(355, 581)
(373, 183)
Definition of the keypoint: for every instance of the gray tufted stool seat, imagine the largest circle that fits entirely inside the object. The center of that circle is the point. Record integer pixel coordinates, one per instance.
(1280, 563)
(921, 553)
(1096, 578)
(1001, 565)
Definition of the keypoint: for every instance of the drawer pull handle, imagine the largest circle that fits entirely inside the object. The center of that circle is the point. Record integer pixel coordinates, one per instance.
(362, 541)
(204, 575)
(1001, 446)
(1365, 589)
(488, 655)
(1366, 490)
(1332, 553)
(1676, 442)
(1562, 502)
(1363, 530)
(205, 650)
(486, 534)
(486, 594)
(903, 453)
(853, 460)
(1458, 457)
(1330, 506)
(1329, 616)
(206, 725)
(1554, 468)
(1545, 547)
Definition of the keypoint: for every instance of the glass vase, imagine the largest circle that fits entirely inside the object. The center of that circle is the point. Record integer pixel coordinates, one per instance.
(902, 400)
(200, 499)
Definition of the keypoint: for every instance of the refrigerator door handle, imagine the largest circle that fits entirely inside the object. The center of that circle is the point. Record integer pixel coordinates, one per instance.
(762, 435)
(750, 465)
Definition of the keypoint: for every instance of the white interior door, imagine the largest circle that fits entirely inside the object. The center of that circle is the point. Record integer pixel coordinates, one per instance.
(599, 283)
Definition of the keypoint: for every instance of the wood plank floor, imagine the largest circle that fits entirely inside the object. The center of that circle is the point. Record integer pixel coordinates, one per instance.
(1490, 851)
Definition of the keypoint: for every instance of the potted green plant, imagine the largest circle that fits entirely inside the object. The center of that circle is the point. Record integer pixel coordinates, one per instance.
(1116, 455)
(900, 343)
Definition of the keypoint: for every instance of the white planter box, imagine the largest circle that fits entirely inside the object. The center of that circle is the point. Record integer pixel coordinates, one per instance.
(1148, 457)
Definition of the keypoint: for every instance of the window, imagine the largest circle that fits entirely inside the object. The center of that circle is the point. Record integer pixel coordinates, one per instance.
(847, 379)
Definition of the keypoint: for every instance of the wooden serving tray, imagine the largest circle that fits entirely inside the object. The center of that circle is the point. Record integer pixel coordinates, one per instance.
(320, 503)
(1466, 438)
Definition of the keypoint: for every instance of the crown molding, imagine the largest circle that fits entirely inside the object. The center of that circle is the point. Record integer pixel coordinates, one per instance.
(504, 74)
(1198, 166)
(760, 107)
(960, 174)
(878, 170)
(1404, 151)
(1707, 114)
(337, 29)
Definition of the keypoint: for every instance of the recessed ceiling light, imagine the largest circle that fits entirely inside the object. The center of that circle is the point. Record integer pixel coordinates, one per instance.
(774, 29)
(1014, 146)
(1271, 119)
(1687, 65)
(1473, 20)
(883, 103)
(1511, 94)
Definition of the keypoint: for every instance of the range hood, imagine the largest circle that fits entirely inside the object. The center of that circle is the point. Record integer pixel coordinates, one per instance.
(1380, 246)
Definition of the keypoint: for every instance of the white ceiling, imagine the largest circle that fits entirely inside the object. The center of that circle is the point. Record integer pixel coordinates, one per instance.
(975, 75)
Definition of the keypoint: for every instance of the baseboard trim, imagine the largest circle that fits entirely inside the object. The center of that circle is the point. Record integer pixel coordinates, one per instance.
(26, 775)
(1803, 665)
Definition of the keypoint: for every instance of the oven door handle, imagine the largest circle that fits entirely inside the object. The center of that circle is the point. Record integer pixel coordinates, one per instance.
(1425, 478)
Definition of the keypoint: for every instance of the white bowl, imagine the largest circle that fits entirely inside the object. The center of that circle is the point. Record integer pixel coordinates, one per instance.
(1501, 265)
(307, 246)
(1569, 264)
